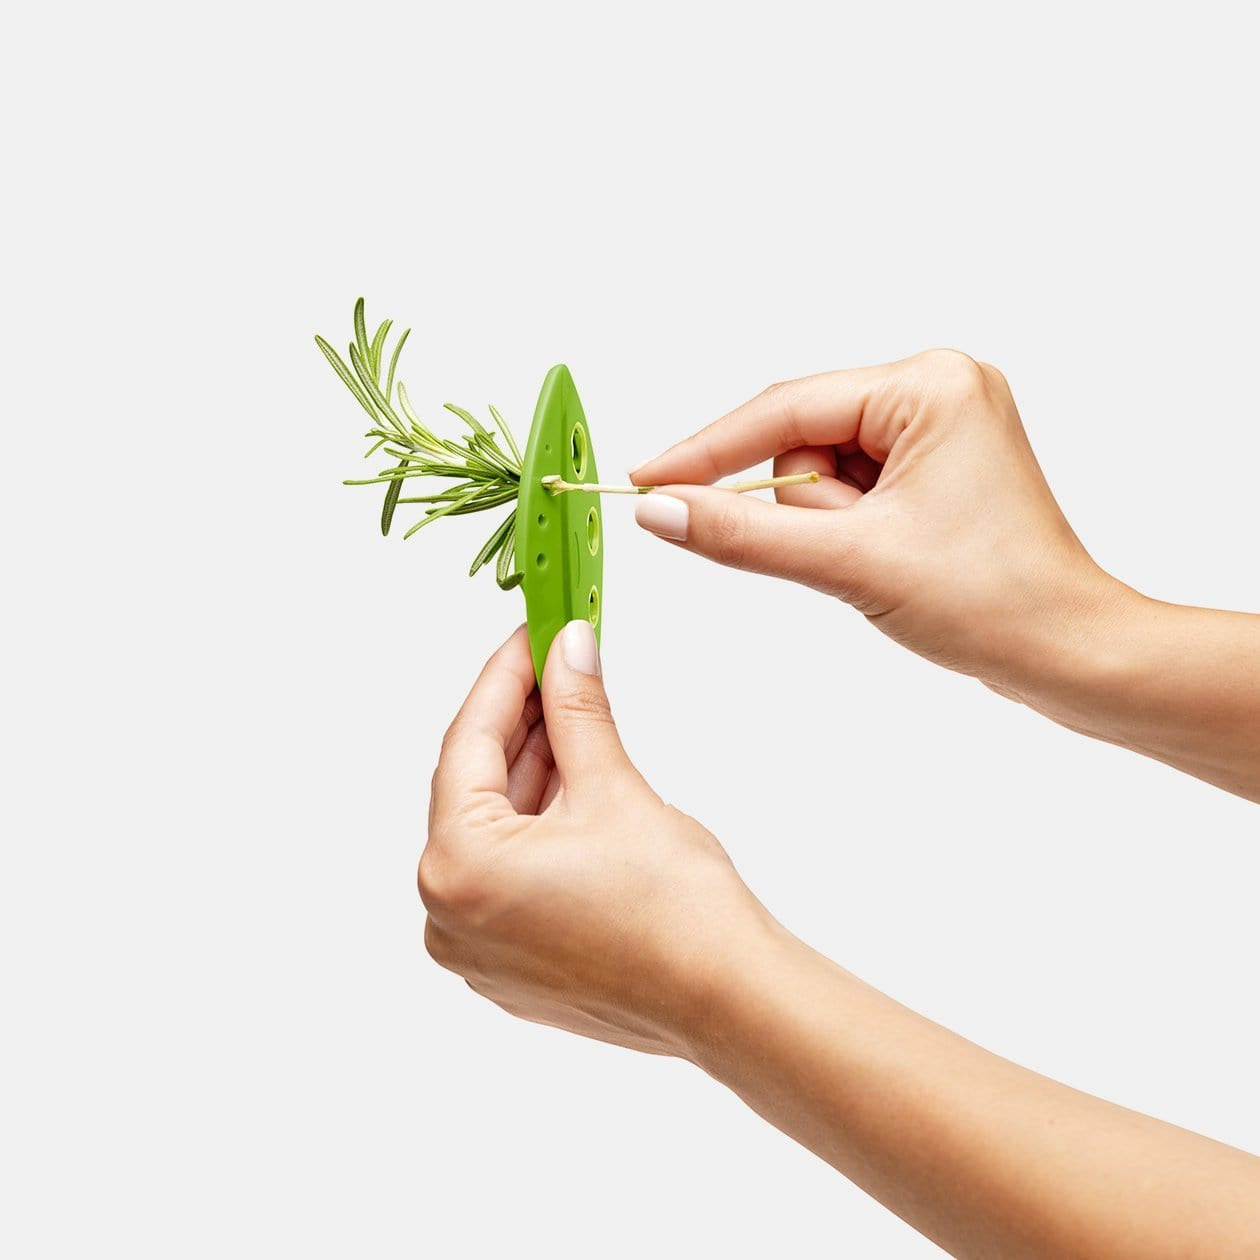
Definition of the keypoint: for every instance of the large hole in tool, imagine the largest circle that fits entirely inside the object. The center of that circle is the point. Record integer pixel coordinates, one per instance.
(592, 530)
(577, 449)
(592, 606)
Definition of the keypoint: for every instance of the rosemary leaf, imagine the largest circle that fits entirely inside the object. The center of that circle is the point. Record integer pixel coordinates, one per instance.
(404, 402)
(468, 418)
(344, 372)
(391, 502)
(436, 514)
(507, 554)
(374, 350)
(393, 363)
(507, 433)
(373, 391)
(506, 573)
(360, 330)
(495, 542)
(485, 504)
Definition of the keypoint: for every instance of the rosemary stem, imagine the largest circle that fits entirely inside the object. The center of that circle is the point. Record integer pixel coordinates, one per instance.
(557, 485)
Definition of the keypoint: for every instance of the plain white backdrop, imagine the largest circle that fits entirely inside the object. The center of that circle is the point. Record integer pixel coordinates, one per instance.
(223, 691)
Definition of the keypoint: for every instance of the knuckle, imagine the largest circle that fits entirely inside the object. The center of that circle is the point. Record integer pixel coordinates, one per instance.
(781, 405)
(583, 705)
(432, 877)
(449, 739)
(706, 445)
(453, 884)
(997, 381)
(442, 880)
(438, 945)
(955, 372)
(728, 538)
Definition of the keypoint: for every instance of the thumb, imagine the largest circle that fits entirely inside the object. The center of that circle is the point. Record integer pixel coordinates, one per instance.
(580, 727)
(815, 546)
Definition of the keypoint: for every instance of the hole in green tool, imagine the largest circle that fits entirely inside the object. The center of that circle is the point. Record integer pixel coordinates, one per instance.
(577, 449)
(592, 530)
(592, 606)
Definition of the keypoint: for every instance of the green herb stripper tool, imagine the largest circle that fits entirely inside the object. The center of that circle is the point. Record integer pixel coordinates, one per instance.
(559, 537)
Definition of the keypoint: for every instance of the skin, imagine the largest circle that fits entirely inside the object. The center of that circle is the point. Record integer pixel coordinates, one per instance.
(561, 887)
(933, 518)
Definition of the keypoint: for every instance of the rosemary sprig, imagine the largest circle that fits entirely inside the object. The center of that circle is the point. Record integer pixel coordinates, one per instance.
(485, 476)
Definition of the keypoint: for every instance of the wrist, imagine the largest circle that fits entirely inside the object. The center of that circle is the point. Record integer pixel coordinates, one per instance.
(733, 1003)
(1100, 663)
(1074, 644)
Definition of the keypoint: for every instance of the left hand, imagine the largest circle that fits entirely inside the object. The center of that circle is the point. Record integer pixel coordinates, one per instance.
(558, 884)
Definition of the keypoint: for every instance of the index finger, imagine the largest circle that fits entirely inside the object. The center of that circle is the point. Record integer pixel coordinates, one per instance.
(825, 410)
(474, 752)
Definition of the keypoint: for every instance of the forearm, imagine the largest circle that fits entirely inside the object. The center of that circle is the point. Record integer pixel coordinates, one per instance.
(982, 1156)
(1175, 683)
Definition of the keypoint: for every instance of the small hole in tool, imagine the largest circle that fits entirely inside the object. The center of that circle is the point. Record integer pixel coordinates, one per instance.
(577, 450)
(542, 518)
(592, 606)
(592, 531)
(540, 560)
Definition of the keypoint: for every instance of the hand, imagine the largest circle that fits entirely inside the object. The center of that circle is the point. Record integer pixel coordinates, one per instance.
(558, 884)
(561, 887)
(932, 516)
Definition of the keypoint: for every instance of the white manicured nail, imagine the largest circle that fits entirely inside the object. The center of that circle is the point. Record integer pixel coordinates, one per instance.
(580, 650)
(664, 515)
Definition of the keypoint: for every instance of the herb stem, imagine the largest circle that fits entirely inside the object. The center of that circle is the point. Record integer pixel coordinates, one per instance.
(557, 485)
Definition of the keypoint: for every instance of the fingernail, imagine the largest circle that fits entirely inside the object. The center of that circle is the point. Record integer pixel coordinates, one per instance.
(580, 650)
(636, 468)
(664, 515)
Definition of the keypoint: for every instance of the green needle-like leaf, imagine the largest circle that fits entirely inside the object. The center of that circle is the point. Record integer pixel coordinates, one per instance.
(393, 363)
(495, 542)
(374, 350)
(346, 375)
(507, 433)
(391, 502)
(480, 474)
(468, 418)
(360, 330)
(507, 554)
(436, 514)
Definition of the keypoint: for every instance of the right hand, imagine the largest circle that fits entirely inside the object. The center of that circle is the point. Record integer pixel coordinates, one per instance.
(932, 516)
(559, 885)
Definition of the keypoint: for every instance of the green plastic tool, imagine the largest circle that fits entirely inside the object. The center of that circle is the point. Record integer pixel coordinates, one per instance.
(559, 537)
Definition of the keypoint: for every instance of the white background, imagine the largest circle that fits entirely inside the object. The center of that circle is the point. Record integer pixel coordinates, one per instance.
(223, 691)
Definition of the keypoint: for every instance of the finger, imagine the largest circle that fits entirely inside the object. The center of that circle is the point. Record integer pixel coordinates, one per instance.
(859, 469)
(516, 741)
(550, 792)
(827, 492)
(824, 410)
(580, 726)
(528, 774)
(474, 752)
(799, 543)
